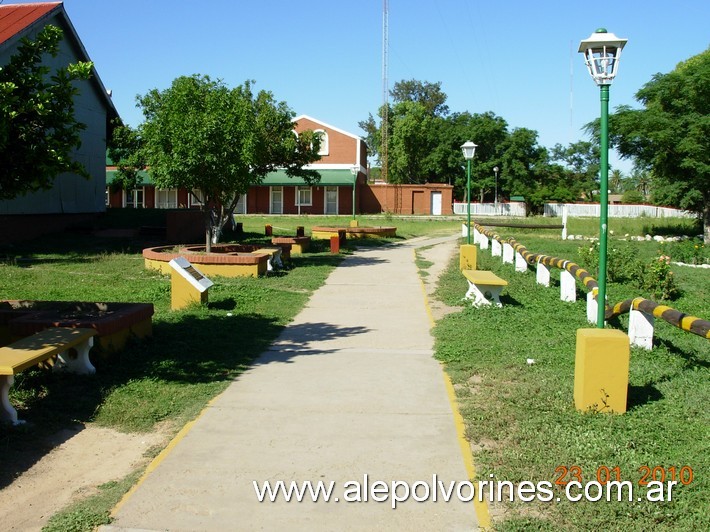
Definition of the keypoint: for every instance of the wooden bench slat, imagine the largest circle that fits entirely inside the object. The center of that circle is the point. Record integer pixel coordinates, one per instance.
(34, 349)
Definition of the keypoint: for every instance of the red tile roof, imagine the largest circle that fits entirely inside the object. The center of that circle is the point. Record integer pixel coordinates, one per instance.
(16, 17)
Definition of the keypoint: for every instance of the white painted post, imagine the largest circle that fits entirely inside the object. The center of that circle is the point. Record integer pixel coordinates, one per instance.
(564, 222)
(464, 230)
(568, 286)
(521, 264)
(507, 253)
(476, 236)
(641, 329)
(496, 248)
(484, 241)
(591, 307)
(542, 275)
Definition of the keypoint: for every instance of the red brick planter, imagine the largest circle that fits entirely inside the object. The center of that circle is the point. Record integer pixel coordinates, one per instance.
(114, 322)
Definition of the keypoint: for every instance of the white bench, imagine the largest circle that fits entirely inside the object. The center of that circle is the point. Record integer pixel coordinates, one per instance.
(41, 347)
(482, 283)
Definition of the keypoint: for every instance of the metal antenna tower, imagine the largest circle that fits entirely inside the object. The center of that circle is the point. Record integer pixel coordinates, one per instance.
(384, 126)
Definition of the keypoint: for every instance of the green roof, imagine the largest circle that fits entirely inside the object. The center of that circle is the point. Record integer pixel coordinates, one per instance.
(273, 179)
(327, 178)
(143, 177)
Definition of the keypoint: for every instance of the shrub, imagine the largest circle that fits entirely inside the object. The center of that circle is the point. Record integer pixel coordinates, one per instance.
(659, 280)
(622, 264)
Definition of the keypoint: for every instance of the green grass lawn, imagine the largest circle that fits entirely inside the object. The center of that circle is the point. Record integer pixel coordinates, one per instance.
(522, 417)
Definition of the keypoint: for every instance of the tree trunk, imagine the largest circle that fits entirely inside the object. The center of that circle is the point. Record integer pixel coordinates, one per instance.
(706, 224)
(208, 229)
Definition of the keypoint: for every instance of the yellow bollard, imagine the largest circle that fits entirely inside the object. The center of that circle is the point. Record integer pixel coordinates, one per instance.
(601, 370)
(354, 223)
(467, 257)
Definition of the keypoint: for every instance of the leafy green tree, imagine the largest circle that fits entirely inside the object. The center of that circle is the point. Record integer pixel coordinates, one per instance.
(582, 160)
(410, 143)
(489, 132)
(525, 167)
(670, 136)
(413, 139)
(428, 94)
(616, 181)
(216, 142)
(38, 130)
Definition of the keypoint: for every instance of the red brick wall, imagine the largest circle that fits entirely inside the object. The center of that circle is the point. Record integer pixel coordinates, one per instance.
(404, 199)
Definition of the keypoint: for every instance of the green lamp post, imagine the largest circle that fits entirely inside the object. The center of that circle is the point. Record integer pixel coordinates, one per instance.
(354, 171)
(469, 149)
(602, 51)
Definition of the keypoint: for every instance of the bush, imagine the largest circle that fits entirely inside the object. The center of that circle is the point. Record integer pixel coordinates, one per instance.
(691, 251)
(659, 280)
(622, 264)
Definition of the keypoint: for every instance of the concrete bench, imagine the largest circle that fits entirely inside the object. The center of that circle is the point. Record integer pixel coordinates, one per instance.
(482, 282)
(41, 347)
(274, 261)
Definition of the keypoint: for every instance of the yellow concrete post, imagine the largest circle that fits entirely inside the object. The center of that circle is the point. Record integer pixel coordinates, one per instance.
(601, 370)
(467, 257)
(354, 223)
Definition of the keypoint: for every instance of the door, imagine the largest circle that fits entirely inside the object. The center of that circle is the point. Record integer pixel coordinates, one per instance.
(436, 203)
(331, 200)
(277, 200)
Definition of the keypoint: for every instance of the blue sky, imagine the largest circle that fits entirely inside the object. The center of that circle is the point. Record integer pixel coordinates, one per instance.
(324, 58)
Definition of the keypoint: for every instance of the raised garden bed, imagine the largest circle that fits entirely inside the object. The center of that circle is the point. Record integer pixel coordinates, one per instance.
(226, 260)
(114, 323)
(354, 232)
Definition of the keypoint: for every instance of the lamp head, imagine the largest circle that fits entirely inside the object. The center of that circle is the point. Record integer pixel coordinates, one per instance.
(469, 149)
(602, 51)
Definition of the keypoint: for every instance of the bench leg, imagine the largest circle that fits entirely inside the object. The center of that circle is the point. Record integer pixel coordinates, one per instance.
(478, 294)
(80, 363)
(495, 294)
(7, 411)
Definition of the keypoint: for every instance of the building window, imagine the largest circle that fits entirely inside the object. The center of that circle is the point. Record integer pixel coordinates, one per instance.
(166, 199)
(241, 207)
(134, 198)
(276, 200)
(323, 141)
(195, 198)
(304, 196)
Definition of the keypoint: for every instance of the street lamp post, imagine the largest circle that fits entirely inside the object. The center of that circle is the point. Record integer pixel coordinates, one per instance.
(495, 171)
(602, 51)
(354, 170)
(469, 149)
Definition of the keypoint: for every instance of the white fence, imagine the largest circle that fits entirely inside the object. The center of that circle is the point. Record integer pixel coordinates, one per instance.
(591, 210)
(513, 208)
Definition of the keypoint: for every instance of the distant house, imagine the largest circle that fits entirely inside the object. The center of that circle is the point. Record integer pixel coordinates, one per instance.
(72, 195)
(341, 153)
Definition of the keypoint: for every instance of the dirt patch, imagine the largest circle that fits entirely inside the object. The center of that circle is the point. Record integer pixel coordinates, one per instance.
(439, 254)
(87, 457)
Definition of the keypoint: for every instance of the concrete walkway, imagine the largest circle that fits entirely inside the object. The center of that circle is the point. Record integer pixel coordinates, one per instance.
(349, 390)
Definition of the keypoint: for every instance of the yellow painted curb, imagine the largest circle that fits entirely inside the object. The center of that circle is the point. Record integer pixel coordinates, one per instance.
(161, 456)
(481, 507)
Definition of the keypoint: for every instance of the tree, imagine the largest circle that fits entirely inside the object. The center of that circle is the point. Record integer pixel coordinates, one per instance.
(428, 94)
(415, 118)
(670, 136)
(216, 142)
(38, 130)
(525, 165)
(582, 160)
